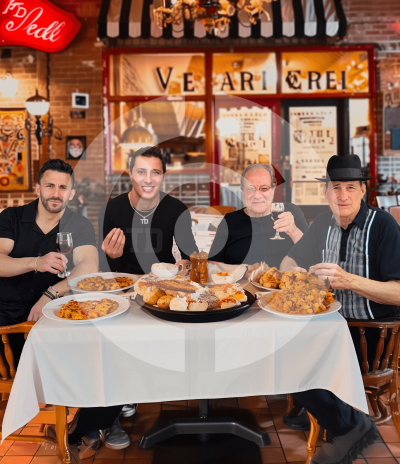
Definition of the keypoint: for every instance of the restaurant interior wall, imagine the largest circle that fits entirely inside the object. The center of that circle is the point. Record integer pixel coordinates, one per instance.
(120, 62)
(379, 23)
(77, 68)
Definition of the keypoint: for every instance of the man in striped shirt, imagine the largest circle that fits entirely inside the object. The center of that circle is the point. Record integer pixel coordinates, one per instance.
(354, 245)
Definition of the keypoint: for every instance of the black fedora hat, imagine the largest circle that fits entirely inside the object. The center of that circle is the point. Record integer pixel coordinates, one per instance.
(344, 168)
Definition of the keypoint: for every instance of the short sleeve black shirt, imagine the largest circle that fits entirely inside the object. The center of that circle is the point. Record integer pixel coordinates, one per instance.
(19, 293)
(244, 239)
(381, 250)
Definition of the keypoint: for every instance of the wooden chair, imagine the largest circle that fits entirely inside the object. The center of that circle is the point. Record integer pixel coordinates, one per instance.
(54, 415)
(378, 380)
(215, 210)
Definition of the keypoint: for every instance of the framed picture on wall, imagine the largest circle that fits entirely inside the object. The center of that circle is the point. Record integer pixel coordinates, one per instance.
(76, 147)
(15, 164)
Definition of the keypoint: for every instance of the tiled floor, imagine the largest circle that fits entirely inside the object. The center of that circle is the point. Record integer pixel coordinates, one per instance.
(287, 446)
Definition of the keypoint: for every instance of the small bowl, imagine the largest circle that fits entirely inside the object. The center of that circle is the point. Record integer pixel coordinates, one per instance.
(166, 273)
(229, 279)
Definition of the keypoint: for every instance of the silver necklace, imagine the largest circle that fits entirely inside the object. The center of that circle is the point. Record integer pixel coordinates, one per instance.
(144, 219)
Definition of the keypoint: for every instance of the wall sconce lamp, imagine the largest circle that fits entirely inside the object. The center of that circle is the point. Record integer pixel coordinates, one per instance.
(38, 106)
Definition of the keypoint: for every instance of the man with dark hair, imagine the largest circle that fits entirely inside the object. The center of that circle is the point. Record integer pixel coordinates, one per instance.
(139, 227)
(353, 246)
(29, 261)
(28, 252)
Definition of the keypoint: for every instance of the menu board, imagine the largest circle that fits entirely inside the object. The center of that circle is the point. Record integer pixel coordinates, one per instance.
(313, 140)
(245, 137)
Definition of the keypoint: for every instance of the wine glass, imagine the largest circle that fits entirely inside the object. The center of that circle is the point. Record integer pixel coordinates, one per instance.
(276, 209)
(64, 246)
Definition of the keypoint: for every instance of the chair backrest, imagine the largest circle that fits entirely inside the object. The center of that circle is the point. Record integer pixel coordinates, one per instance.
(386, 201)
(382, 356)
(7, 367)
(221, 209)
(395, 212)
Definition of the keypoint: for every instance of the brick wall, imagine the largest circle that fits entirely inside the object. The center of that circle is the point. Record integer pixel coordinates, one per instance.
(377, 22)
(76, 69)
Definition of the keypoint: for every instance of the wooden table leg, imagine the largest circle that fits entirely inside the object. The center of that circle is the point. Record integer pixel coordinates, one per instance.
(312, 438)
(62, 434)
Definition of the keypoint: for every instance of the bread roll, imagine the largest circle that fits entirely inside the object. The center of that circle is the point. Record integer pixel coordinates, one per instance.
(151, 297)
(198, 306)
(164, 301)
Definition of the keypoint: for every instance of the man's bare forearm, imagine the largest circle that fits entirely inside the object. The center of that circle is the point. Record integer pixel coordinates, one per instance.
(11, 267)
(379, 292)
(287, 264)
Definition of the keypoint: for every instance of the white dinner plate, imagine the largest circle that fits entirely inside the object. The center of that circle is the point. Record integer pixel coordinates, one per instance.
(51, 309)
(73, 283)
(258, 285)
(263, 304)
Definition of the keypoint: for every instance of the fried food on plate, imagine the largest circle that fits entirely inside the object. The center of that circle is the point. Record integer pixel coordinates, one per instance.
(100, 284)
(164, 301)
(81, 310)
(152, 296)
(272, 278)
(303, 294)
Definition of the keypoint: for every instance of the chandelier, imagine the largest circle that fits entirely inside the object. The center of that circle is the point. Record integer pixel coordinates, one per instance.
(213, 14)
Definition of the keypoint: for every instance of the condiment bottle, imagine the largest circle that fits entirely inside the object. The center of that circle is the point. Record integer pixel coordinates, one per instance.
(194, 273)
(203, 258)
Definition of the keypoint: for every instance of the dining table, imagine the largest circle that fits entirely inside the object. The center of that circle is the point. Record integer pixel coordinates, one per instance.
(136, 357)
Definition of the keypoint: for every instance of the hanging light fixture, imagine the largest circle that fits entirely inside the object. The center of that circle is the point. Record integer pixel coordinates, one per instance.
(214, 14)
(37, 105)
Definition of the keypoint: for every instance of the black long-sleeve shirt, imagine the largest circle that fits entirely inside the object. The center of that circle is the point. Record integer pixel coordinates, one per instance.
(146, 244)
(244, 239)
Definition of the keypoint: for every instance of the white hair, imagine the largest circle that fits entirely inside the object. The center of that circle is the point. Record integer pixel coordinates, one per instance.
(252, 167)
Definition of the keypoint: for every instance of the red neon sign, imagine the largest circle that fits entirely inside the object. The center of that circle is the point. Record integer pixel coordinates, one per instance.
(36, 24)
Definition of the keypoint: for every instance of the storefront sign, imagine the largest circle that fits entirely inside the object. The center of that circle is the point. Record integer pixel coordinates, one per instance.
(14, 163)
(325, 72)
(36, 24)
(313, 140)
(159, 75)
(245, 137)
(244, 73)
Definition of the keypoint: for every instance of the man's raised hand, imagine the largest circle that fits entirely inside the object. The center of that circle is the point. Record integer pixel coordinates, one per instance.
(113, 244)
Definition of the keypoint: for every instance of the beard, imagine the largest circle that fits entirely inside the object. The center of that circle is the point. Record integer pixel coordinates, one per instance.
(50, 208)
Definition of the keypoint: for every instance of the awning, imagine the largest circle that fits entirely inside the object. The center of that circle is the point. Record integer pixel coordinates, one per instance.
(287, 18)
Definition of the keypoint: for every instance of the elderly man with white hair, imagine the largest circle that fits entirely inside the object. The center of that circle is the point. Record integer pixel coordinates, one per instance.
(243, 237)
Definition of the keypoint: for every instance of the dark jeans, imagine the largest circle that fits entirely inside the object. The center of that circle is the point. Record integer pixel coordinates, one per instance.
(332, 414)
(94, 419)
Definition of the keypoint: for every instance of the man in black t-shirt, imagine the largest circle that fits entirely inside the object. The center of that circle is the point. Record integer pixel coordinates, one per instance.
(354, 247)
(29, 260)
(244, 236)
(140, 226)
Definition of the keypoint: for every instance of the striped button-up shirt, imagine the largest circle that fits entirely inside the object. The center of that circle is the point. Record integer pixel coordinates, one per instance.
(369, 248)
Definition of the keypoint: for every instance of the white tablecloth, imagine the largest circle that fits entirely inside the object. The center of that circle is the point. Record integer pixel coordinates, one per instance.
(137, 358)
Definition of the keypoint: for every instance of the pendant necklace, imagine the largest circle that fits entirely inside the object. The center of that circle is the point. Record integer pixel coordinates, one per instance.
(144, 219)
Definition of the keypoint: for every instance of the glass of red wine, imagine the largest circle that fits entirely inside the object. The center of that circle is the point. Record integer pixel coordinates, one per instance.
(64, 246)
(276, 210)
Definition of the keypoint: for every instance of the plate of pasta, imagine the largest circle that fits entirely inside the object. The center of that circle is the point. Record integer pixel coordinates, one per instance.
(105, 282)
(304, 296)
(78, 309)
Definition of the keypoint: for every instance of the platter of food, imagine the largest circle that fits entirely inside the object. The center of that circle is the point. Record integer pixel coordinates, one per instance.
(186, 301)
(271, 280)
(304, 296)
(105, 282)
(78, 309)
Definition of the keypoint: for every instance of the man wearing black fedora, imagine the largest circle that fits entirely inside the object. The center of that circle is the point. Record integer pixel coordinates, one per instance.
(353, 246)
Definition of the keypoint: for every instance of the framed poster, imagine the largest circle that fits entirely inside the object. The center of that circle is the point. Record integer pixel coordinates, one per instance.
(14, 151)
(76, 147)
